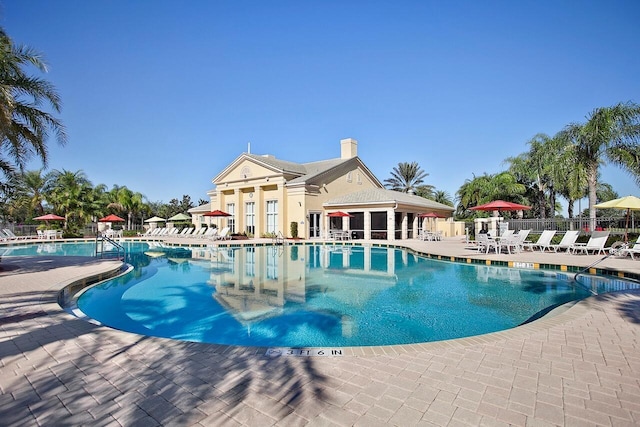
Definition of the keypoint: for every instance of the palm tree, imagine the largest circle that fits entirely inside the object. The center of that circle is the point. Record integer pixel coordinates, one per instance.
(539, 169)
(33, 189)
(24, 127)
(443, 197)
(406, 177)
(486, 188)
(71, 194)
(611, 134)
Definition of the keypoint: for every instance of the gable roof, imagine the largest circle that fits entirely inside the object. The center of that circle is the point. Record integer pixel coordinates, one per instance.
(303, 172)
(382, 195)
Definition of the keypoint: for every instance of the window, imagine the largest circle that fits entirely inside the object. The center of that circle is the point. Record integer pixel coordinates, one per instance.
(272, 216)
(250, 218)
(359, 178)
(349, 176)
(231, 220)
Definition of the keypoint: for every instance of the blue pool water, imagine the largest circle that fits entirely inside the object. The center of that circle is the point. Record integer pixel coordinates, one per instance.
(310, 295)
(316, 296)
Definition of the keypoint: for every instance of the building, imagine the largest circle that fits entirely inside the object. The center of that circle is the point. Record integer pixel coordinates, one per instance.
(264, 195)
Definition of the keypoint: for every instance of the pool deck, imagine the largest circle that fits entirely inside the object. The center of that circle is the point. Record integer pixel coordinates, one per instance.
(579, 366)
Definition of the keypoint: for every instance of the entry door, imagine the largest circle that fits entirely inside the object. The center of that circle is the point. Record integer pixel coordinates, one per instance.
(314, 225)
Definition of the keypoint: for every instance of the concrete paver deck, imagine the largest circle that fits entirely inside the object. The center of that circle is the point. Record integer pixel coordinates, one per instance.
(580, 367)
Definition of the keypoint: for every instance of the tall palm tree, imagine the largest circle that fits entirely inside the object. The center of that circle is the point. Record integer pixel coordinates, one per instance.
(611, 134)
(24, 127)
(126, 201)
(406, 177)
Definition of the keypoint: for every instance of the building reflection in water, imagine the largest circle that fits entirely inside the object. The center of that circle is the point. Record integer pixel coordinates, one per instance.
(255, 283)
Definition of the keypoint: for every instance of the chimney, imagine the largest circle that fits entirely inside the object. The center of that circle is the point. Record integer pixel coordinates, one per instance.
(348, 148)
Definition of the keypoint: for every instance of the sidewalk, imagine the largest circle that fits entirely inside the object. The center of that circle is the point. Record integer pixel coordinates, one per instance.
(580, 367)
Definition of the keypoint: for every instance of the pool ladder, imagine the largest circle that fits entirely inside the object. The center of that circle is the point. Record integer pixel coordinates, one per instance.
(278, 239)
(118, 253)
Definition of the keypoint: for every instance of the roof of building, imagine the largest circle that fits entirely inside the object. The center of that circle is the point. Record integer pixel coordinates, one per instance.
(381, 195)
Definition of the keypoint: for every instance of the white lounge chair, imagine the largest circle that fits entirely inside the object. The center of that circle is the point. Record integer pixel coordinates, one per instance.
(186, 232)
(567, 241)
(513, 242)
(223, 234)
(633, 250)
(209, 233)
(596, 244)
(12, 236)
(543, 241)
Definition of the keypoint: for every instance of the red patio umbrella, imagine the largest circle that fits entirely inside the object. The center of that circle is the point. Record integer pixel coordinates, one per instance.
(338, 214)
(50, 217)
(500, 205)
(429, 215)
(111, 218)
(217, 213)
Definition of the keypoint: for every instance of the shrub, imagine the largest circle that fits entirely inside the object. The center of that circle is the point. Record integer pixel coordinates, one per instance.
(294, 229)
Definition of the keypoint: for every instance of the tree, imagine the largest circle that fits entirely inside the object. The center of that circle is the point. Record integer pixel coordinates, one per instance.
(539, 170)
(24, 127)
(33, 185)
(406, 177)
(611, 134)
(486, 188)
(71, 195)
(126, 201)
(443, 197)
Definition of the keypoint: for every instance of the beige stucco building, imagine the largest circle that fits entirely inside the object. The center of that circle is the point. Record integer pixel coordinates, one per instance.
(265, 195)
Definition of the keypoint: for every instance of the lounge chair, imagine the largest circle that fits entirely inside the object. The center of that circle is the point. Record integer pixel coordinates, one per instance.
(567, 241)
(596, 244)
(633, 250)
(186, 232)
(513, 242)
(209, 233)
(12, 236)
(223, 234)
(543, 243)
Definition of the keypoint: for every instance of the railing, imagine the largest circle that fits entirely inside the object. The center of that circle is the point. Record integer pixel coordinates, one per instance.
(278, 239)
(616, 225)
(116, 250)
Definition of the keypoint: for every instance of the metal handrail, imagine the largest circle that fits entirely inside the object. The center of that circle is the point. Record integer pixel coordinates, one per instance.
(100, 241)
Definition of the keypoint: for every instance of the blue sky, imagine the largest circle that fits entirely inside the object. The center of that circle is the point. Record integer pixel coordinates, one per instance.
(160, 96)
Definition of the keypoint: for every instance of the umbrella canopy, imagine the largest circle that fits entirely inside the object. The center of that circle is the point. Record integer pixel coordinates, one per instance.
(500, 205)
(50, 217)
(339, 214)
(111, 218)
(155, 219)
(628, 202)
(217, 212)
(429, 215)
(180, 217)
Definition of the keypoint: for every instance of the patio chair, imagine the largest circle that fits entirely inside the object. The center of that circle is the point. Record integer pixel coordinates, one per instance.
(223, 234)
(596, 243)
(543, 241)
(567, 241)
(12, 236)
(486, 242)
(513, 242)
(633, 250)
(186, 232)
(209, 233)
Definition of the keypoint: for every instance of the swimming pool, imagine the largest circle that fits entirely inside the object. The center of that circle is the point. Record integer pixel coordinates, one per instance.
(316, 296)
